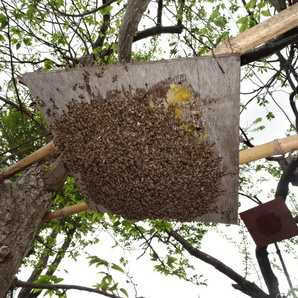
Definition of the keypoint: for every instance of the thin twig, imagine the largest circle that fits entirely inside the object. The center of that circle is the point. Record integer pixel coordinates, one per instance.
(80, 15)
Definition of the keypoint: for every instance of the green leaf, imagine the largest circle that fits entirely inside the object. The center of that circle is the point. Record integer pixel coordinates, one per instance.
(265, 13)
(27, 41)
(251, 4)
(48, 279)
(270, 116)
(124, 292)
(219, 22)
(48, 64)
(37, 290)
(106, 10)
(171, 261)
(49, 292)
(242, 20)
(98, 261)
(252, 23)
(106, 282)
(243, 27)
(59, 3)
(116, 267)
(214, 14)
(258, 120)
(261, 5)
(3, 21)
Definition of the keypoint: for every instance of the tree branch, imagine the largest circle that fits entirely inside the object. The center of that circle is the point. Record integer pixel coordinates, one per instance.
(279, 5)
(24, 143)
(42, 263)
(243, 285)
(104, 27)
(61, 253)
(22, 109)
(294, 107)
(270, 48)
(158, 30)
(129, 26)
(32, 285)
(283, 184)
(246, 140)
(18, 107)
(159, 12)
(265, 267)
(80, 15)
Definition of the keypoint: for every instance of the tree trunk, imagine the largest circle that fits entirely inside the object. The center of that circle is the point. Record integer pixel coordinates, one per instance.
(134, 12)
(23, 204)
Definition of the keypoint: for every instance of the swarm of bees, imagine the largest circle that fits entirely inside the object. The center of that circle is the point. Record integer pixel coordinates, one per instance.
(136, 156)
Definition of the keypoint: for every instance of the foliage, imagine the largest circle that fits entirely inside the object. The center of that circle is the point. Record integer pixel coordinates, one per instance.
(47, 35)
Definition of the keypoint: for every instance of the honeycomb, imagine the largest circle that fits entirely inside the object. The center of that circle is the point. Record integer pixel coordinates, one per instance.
(139, 155)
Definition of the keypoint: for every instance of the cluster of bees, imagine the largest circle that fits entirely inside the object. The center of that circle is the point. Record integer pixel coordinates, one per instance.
(137, 159)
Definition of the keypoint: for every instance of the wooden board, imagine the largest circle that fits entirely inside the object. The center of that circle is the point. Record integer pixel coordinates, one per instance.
(270, 222)
(216, 82)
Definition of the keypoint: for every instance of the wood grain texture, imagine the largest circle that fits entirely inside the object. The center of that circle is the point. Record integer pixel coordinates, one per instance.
(218, 95)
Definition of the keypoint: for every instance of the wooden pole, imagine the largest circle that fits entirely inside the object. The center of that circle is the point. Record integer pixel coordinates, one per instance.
(66, 211)
(257, 35)
(27, 161)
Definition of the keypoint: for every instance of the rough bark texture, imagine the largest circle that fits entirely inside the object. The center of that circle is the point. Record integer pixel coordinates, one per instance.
(23, 204)
(134, 11)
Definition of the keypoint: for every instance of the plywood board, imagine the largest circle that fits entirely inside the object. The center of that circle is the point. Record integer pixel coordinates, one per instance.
(270, 222)
(213, 82)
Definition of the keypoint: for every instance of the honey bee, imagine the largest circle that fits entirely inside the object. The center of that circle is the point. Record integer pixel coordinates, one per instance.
(115, 78)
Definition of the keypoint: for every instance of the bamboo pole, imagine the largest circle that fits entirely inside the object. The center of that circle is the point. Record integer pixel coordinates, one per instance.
(66, 211)
(276, 147)
(27, 161)
(257, 35)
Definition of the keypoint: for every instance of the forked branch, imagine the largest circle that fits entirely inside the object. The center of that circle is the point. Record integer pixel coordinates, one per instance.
(243, 285)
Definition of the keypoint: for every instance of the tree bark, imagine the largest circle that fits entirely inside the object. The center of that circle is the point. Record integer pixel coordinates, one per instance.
(134, 12)
(42, 263)
(23, 204)
(267, 272)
